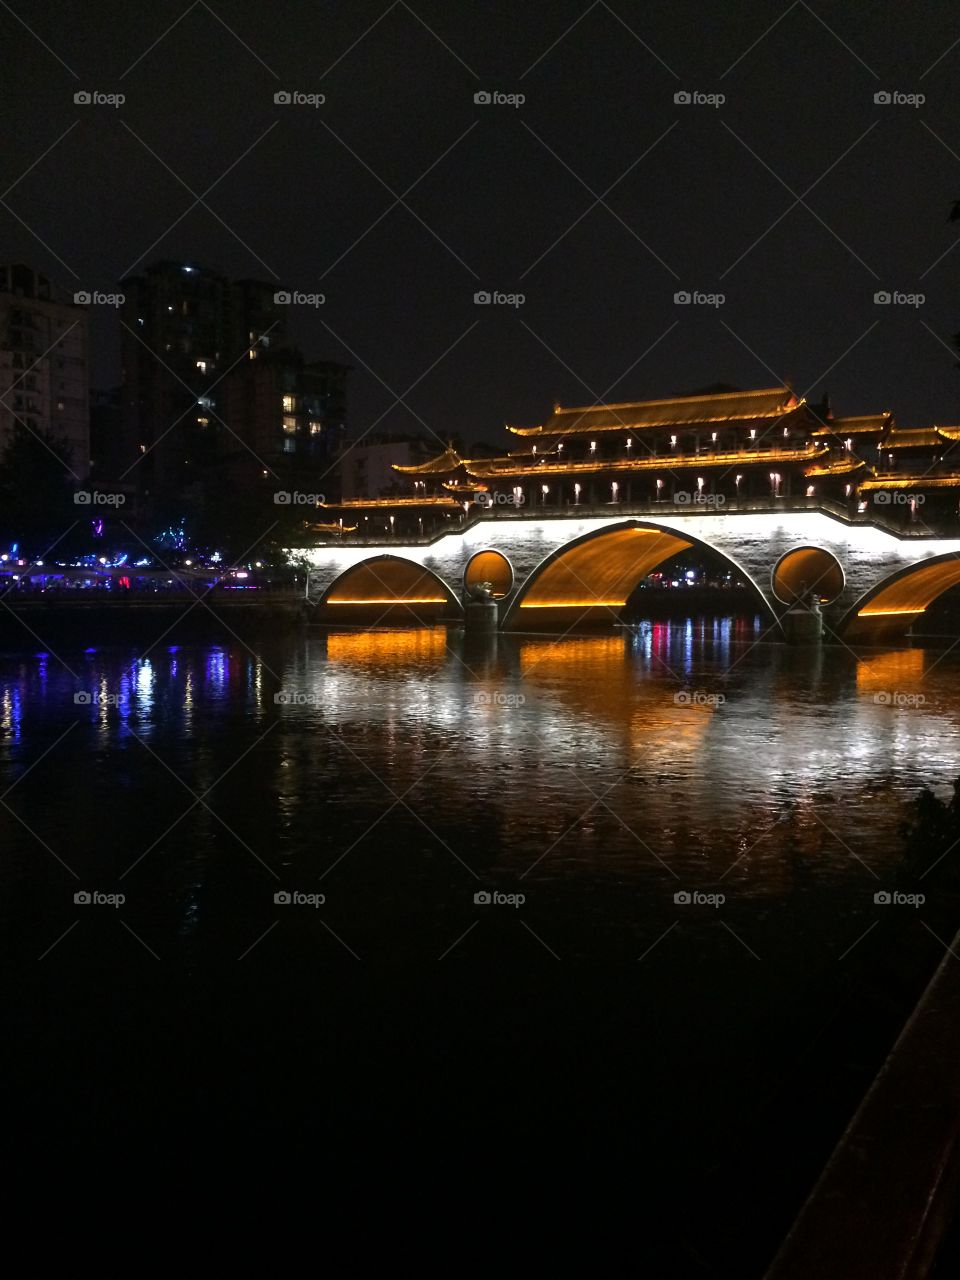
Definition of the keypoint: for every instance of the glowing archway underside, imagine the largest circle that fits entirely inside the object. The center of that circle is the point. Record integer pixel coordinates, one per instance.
(387, 583)
(586, 582)
(492, 567)
(897, 605)
(805, 570)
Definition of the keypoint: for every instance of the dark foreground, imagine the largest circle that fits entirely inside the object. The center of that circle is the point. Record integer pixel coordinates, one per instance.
(703, 1056)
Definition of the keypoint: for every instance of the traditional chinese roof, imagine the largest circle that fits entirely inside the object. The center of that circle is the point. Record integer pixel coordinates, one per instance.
(331, 528)
(863, 424)
(447, 461)
(729, 406)
(912, 438)
(949, 433)
(841, 467)
(499, 467)
(900, 481)
(354, 503)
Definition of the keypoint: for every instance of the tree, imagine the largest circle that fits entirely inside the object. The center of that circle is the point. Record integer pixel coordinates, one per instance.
(37, 493)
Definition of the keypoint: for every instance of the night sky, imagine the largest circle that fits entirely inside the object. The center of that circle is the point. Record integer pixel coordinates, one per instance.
(598, 199)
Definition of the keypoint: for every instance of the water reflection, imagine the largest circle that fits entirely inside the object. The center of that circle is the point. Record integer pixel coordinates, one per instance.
(690, 743)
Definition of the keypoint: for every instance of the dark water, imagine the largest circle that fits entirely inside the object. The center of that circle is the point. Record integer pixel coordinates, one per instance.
(599, 1022)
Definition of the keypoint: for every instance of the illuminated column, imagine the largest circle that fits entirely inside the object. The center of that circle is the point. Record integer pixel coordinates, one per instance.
(576, 495)
(613, 490)
(659, 487)
(546, 490)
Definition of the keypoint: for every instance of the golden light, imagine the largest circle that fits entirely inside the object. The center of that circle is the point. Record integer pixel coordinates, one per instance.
(597, 574)
(386, 581)
(894, 606)
(492, 567)
(806, 570)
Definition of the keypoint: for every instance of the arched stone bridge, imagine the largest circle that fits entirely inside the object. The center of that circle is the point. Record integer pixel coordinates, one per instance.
(559, 569)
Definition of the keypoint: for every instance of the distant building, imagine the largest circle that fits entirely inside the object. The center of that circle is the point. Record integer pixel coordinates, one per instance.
(44, 376)
(184, 328)
(366, 468)
(286, 415)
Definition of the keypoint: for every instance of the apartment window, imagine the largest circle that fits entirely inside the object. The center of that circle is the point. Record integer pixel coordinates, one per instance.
(289, 445)
(316, 428)
(288, 404)
(290, 425)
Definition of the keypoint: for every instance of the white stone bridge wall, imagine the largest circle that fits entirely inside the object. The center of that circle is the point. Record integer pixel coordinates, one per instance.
(753, 540)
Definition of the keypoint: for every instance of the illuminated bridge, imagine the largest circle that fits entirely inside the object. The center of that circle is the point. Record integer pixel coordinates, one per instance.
(579, 566)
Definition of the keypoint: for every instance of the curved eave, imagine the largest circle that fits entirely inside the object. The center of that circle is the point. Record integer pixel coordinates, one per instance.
(662, 463)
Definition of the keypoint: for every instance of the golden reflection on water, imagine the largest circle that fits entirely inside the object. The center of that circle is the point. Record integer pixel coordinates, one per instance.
(886, 672)
(388, 648)
(595, 675)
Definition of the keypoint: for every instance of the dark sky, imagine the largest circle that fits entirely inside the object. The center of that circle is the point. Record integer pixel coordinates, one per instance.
(509, 198)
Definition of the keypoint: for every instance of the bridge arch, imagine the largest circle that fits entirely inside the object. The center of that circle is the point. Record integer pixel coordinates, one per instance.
(805, 569)
(490, 566)
(889, 608)
(591, 578)
(387, 588)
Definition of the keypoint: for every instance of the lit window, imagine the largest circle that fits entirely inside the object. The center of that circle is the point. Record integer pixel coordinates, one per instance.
(290, 425)
(289, 446)
(202, 366)
(288, 405)
(316, 428)
(203, 422)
